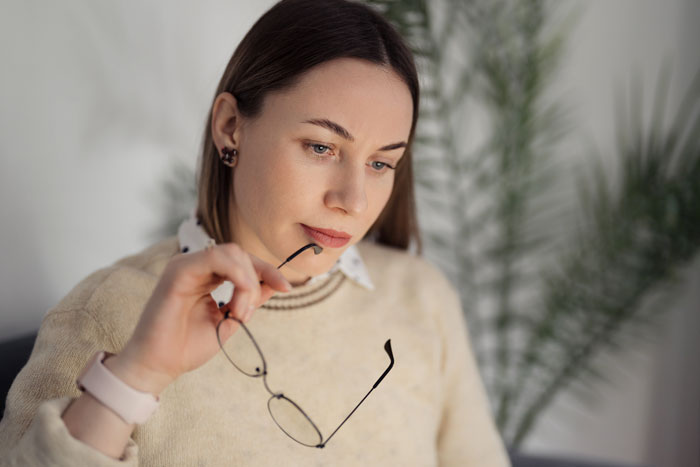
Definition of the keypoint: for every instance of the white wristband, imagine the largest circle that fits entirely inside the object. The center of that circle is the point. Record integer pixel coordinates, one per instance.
(133, 406)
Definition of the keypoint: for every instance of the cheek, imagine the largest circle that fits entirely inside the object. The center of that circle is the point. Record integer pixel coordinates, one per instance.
(274, 185)
(253, 185)
(378, 196)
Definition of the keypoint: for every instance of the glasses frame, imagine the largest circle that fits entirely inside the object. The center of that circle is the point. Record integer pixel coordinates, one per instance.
(263, 373)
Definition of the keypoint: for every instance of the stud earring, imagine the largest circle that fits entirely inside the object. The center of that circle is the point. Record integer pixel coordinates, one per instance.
(229, 157)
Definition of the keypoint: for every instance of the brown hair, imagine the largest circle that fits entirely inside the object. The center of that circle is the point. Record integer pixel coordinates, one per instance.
(288, 40)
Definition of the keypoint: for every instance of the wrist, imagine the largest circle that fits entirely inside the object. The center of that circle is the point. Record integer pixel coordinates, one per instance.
(130, 404)
(136, 375)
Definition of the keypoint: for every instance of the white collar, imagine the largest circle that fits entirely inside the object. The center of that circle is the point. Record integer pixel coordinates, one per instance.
(193, 237)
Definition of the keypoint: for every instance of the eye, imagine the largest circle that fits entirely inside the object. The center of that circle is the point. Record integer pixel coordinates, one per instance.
(318, 149)
(380, 166)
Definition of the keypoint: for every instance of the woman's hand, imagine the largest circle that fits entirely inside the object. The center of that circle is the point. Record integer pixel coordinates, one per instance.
(176, 332)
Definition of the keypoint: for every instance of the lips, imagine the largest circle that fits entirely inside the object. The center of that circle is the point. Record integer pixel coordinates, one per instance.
(328, 238)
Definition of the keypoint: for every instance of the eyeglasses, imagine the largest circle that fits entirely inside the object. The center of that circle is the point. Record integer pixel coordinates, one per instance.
(245, 354)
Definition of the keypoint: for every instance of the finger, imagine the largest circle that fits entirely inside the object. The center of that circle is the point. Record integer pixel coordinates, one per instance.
(241, 304)
(227, 327)
(270, 275)
(224, 261)
(244, 259)
(265, 293)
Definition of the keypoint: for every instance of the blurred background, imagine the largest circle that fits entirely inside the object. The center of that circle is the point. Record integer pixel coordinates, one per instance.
(558, 173)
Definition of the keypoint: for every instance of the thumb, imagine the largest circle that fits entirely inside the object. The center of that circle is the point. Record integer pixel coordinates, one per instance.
(265, 293)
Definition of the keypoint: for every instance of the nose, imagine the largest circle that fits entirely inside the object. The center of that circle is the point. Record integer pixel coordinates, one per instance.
(347, 192)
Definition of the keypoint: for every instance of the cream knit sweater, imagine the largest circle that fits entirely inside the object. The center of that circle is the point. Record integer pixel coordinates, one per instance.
(430, 409)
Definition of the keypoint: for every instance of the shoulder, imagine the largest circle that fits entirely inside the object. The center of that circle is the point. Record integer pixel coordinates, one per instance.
(133, 272)
(385, 261)
(402, 271)
(115, 295)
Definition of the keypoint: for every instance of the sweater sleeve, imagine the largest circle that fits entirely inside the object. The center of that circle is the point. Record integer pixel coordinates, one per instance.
(32, 432)
(467, 435)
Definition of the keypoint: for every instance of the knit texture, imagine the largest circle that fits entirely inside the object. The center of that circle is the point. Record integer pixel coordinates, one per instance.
(430, 409)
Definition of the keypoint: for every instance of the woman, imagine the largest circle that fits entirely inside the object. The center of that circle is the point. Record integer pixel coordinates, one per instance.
(307, 145)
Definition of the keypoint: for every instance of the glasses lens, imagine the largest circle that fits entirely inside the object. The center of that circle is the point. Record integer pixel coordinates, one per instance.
(292, 421)
(243, 353)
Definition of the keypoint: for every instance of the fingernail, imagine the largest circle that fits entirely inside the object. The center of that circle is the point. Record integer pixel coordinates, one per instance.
(287, 285)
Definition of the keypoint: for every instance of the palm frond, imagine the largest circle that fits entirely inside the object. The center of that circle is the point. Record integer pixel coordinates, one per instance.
(643, 225)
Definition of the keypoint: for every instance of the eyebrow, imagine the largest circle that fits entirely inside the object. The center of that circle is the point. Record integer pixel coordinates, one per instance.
(345, 134)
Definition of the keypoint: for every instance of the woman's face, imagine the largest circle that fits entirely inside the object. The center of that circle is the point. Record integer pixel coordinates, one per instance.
(318, 155)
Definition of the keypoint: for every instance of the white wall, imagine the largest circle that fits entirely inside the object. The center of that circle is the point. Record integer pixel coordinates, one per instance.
(99, 97)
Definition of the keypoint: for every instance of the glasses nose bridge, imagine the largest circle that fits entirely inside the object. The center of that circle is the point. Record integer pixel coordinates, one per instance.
(267, 386)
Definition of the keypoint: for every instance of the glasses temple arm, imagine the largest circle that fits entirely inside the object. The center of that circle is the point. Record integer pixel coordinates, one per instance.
(387, 348)
(317, 251)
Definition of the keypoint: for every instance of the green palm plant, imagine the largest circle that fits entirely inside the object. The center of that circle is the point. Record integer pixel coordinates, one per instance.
(641, 227)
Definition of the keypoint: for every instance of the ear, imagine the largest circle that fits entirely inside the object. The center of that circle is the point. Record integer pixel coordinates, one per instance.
(226, 122)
